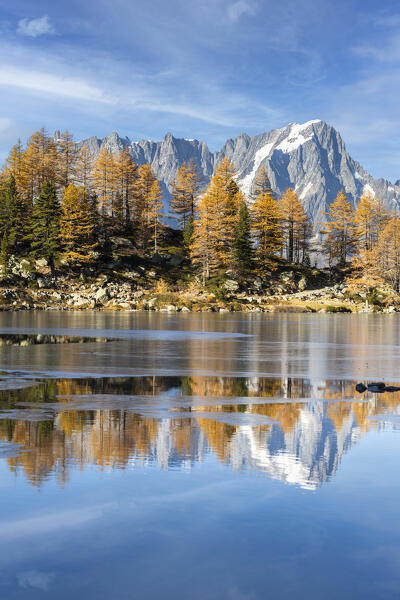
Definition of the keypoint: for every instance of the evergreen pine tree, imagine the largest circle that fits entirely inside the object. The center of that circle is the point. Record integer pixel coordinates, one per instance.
(4, 256)
(13, 214)
(243, 248)
(45, 225)
(188, 232)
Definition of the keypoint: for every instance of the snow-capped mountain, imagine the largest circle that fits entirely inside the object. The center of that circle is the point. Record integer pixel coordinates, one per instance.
(311, 158)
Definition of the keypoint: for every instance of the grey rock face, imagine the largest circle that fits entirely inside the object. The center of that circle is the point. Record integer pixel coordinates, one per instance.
(311, 158)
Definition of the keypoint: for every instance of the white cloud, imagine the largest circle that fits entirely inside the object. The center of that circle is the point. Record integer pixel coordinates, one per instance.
(49, 83)
(35, 27)
(389, 20)
(240, 8)
(35, 579)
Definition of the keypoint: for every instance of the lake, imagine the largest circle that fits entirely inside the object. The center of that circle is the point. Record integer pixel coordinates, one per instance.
(203, 456)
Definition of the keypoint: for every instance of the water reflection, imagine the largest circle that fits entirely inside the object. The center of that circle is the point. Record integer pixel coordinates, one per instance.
(24, 340)
(295, 430)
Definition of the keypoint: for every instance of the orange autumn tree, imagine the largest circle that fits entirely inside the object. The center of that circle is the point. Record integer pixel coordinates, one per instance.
(340, 231)
(296, 227)
(214, 230)
(77, 227)
(148, 206)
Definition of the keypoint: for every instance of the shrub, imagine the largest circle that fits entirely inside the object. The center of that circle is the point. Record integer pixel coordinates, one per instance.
(376, 298)
(337, 309)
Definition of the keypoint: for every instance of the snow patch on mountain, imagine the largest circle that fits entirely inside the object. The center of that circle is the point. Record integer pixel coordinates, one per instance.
(305, 191)
(369, 190)
(260, 155)
(296, 137)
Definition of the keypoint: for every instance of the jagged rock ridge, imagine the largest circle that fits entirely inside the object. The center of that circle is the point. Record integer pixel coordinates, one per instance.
(311, 158)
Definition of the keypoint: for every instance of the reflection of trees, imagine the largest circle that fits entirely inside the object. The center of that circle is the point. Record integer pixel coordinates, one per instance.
(308, 434)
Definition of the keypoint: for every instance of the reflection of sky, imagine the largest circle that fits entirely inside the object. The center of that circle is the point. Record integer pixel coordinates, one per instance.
(211, 534)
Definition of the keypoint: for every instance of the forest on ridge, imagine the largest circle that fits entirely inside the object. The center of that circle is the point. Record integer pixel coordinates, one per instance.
(58, 204)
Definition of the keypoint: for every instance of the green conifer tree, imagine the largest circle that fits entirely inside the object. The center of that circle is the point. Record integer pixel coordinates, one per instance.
(4, 256)
(188, 232)
(243, 248)
(45, 225)
(13, 214)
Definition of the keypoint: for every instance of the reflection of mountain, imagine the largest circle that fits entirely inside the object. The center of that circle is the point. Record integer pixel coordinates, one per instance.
(175, 422)
(307, 454)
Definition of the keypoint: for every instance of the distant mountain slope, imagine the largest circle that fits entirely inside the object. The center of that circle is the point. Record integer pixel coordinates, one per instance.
(311, 158)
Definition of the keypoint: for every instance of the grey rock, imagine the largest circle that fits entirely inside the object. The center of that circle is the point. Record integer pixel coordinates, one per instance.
(287, 276)
(175, 260)
(101, 296)
(231, 285)
(41, 262)
(171, 308)
(156, 259)
(119, 242)
(301, 286)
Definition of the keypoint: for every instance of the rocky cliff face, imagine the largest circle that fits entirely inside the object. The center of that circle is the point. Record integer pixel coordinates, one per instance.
(311, 158)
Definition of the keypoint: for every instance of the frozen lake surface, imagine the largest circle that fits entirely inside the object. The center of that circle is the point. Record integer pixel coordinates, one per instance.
(202, 456)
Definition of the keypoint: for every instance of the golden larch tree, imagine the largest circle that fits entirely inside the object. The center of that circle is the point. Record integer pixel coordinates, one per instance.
(217, 220)
(294, 222)
(365, 222)
(14, 166)
(340, 231)
(148, 206)
(40, 163)
(261, 184)
(266, 228)
(77, 226)
(126, 175)
(103, 178)
(67, 156)
(83, 168)
(185, 191)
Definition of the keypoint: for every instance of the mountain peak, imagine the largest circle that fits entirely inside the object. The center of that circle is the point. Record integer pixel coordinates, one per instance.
(309, 157)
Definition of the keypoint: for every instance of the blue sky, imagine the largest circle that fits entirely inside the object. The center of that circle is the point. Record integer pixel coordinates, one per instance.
(205, 69)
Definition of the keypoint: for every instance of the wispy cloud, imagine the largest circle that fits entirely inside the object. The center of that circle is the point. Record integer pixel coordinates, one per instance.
(388, 20)
(35, 579)
(240, 8)
(35, 27)
(49, 83)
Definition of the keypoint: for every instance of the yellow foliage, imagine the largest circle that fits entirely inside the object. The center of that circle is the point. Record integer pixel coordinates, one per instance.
(266, 216)
(77, 226)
